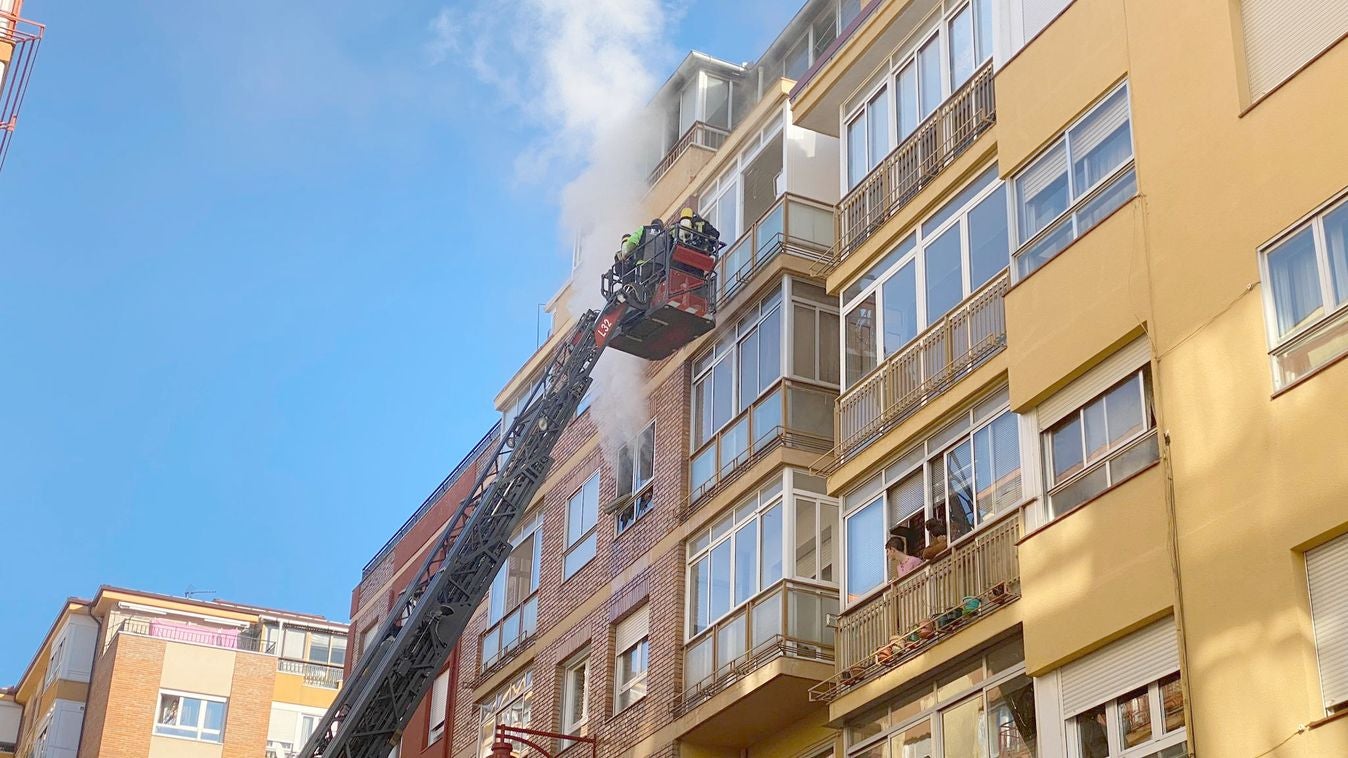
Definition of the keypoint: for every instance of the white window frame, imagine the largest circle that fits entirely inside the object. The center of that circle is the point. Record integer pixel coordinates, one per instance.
(641, 654)
(727, 349)
(1112, 450)
(573, 667)
(918, 459)
(519, 690)
(203, 733)
(526, 622)
(1077, 197)
(917, 242)
(1113, 726)
(590, 533)
(640, 492)
(1330, 311)
(734, 519)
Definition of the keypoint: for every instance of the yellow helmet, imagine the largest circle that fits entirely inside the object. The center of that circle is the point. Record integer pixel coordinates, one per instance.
(686, 213)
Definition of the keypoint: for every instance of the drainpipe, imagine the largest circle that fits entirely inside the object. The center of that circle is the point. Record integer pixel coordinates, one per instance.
(99, 649)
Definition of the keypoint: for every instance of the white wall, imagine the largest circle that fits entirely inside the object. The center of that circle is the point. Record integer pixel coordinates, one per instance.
(812, 161)
(63, 729)
(10, 715)
(76, 640)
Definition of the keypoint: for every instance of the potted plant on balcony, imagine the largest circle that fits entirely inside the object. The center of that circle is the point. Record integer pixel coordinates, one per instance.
(997, 593)
(948, 619)
(927, 629)
(887, 652)
(970, 606)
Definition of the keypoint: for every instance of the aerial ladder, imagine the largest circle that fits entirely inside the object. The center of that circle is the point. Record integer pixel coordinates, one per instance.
(658, 299)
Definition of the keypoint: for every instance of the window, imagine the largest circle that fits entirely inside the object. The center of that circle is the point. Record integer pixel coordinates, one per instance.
(721, 206)
(576, 695)
(439, 705)
(1326, 569)
(739, 555)
(716, 110)
(1081, 178)
(512, 705)
(811, 44)
(193, 717)
(979, 707)
(582, 513)
(1305, 275)
(57, 658)
(636, 469)
(1147, 721)
(962, 477)
(327, 648)
(1101, 443)
(868, 137)
(632, 643)
(1280, 40)
(512, 601)
(951, 255)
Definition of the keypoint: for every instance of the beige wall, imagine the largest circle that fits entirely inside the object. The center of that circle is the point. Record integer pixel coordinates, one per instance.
(199, 669)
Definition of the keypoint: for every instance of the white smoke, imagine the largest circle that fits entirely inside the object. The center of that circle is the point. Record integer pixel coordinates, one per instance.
(585, 67)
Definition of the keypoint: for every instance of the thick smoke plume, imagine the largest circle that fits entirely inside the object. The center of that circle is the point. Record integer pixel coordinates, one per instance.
(585, 66)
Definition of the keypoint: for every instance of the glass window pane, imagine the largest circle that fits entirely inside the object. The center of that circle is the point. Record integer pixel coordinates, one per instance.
(984, 30)
(865, 565)
(828, 347)
(989, 247)
(859, 338)
(579, 555)
(1123, 405)
(1294, 276)
(960, 475)
(1134, 718)
(702, 469)
(624, 472)
(189, 712)
(702, 429)
(718, 102)
(913, 742)
(1120, 191)
(961, 43)
(1133, 460)
(1041, 192)
(1092, 739)
(697, 662)
(804, 343)
(907, 96)
(857, 166)
(929, 77)
(900, 302)
(772, 545)
(997, 465)
(828, 526)
(746, 562)
(877, 127)
(961, 729)
(1011, 720)
(770, 349)
(945, 281)
(1079, 491)
(1065, 439)
(730, 640)
(797, 58)
(722, 394)
(699, 601)
(1101, 142)
(767, 618)
(215, 715)
(1336, 244)
(1172, 703)
(748, 370)
(1097, 439)
(806, 511)
(720, 579)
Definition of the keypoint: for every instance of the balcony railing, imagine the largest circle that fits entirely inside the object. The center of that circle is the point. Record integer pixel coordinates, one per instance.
(700, 134)
(793, 415)
(977, 576)
(225, 638)
(794, 224)
(19, 41)
(920, 158)
(790, 619)
(951, 348)
(315, 674)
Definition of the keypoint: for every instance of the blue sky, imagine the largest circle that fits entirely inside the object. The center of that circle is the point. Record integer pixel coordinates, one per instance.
(265, 266)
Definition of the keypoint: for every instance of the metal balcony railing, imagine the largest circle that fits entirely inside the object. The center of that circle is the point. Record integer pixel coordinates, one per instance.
(978, 575)
(19, 41)
(948, 350)
(789, 619)
(920, 158)
(315, 674)
(793, 415)
(228, 639)
(795, 225)
(700, 134)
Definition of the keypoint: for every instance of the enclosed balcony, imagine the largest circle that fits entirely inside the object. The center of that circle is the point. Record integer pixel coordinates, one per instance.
(794, 225)
(919, 158)
(974, 579)
(913, 376)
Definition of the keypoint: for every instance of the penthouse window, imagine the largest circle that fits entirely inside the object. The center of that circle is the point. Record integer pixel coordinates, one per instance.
(1305, 274)
(189, 716)
(512, 602)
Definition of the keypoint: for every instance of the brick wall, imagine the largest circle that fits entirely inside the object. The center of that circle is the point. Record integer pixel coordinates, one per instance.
(122, 699)
(249, 712)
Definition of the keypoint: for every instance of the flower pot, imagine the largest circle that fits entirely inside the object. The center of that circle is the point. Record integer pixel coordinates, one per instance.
(970, 606)
(927, 629)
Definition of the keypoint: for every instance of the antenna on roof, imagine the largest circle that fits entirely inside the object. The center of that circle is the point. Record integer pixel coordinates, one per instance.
(190, 593)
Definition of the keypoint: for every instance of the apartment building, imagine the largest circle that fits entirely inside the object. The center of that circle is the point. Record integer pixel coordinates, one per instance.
(1045, 294)
(134, 674)
(391, 569)
(19, 41)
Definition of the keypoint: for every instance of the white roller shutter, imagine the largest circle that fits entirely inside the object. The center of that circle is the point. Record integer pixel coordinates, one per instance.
(439, 699)
(1281, 36)
(1136, 660)
(632, 629)
(1123, 362)
(1327, 570)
